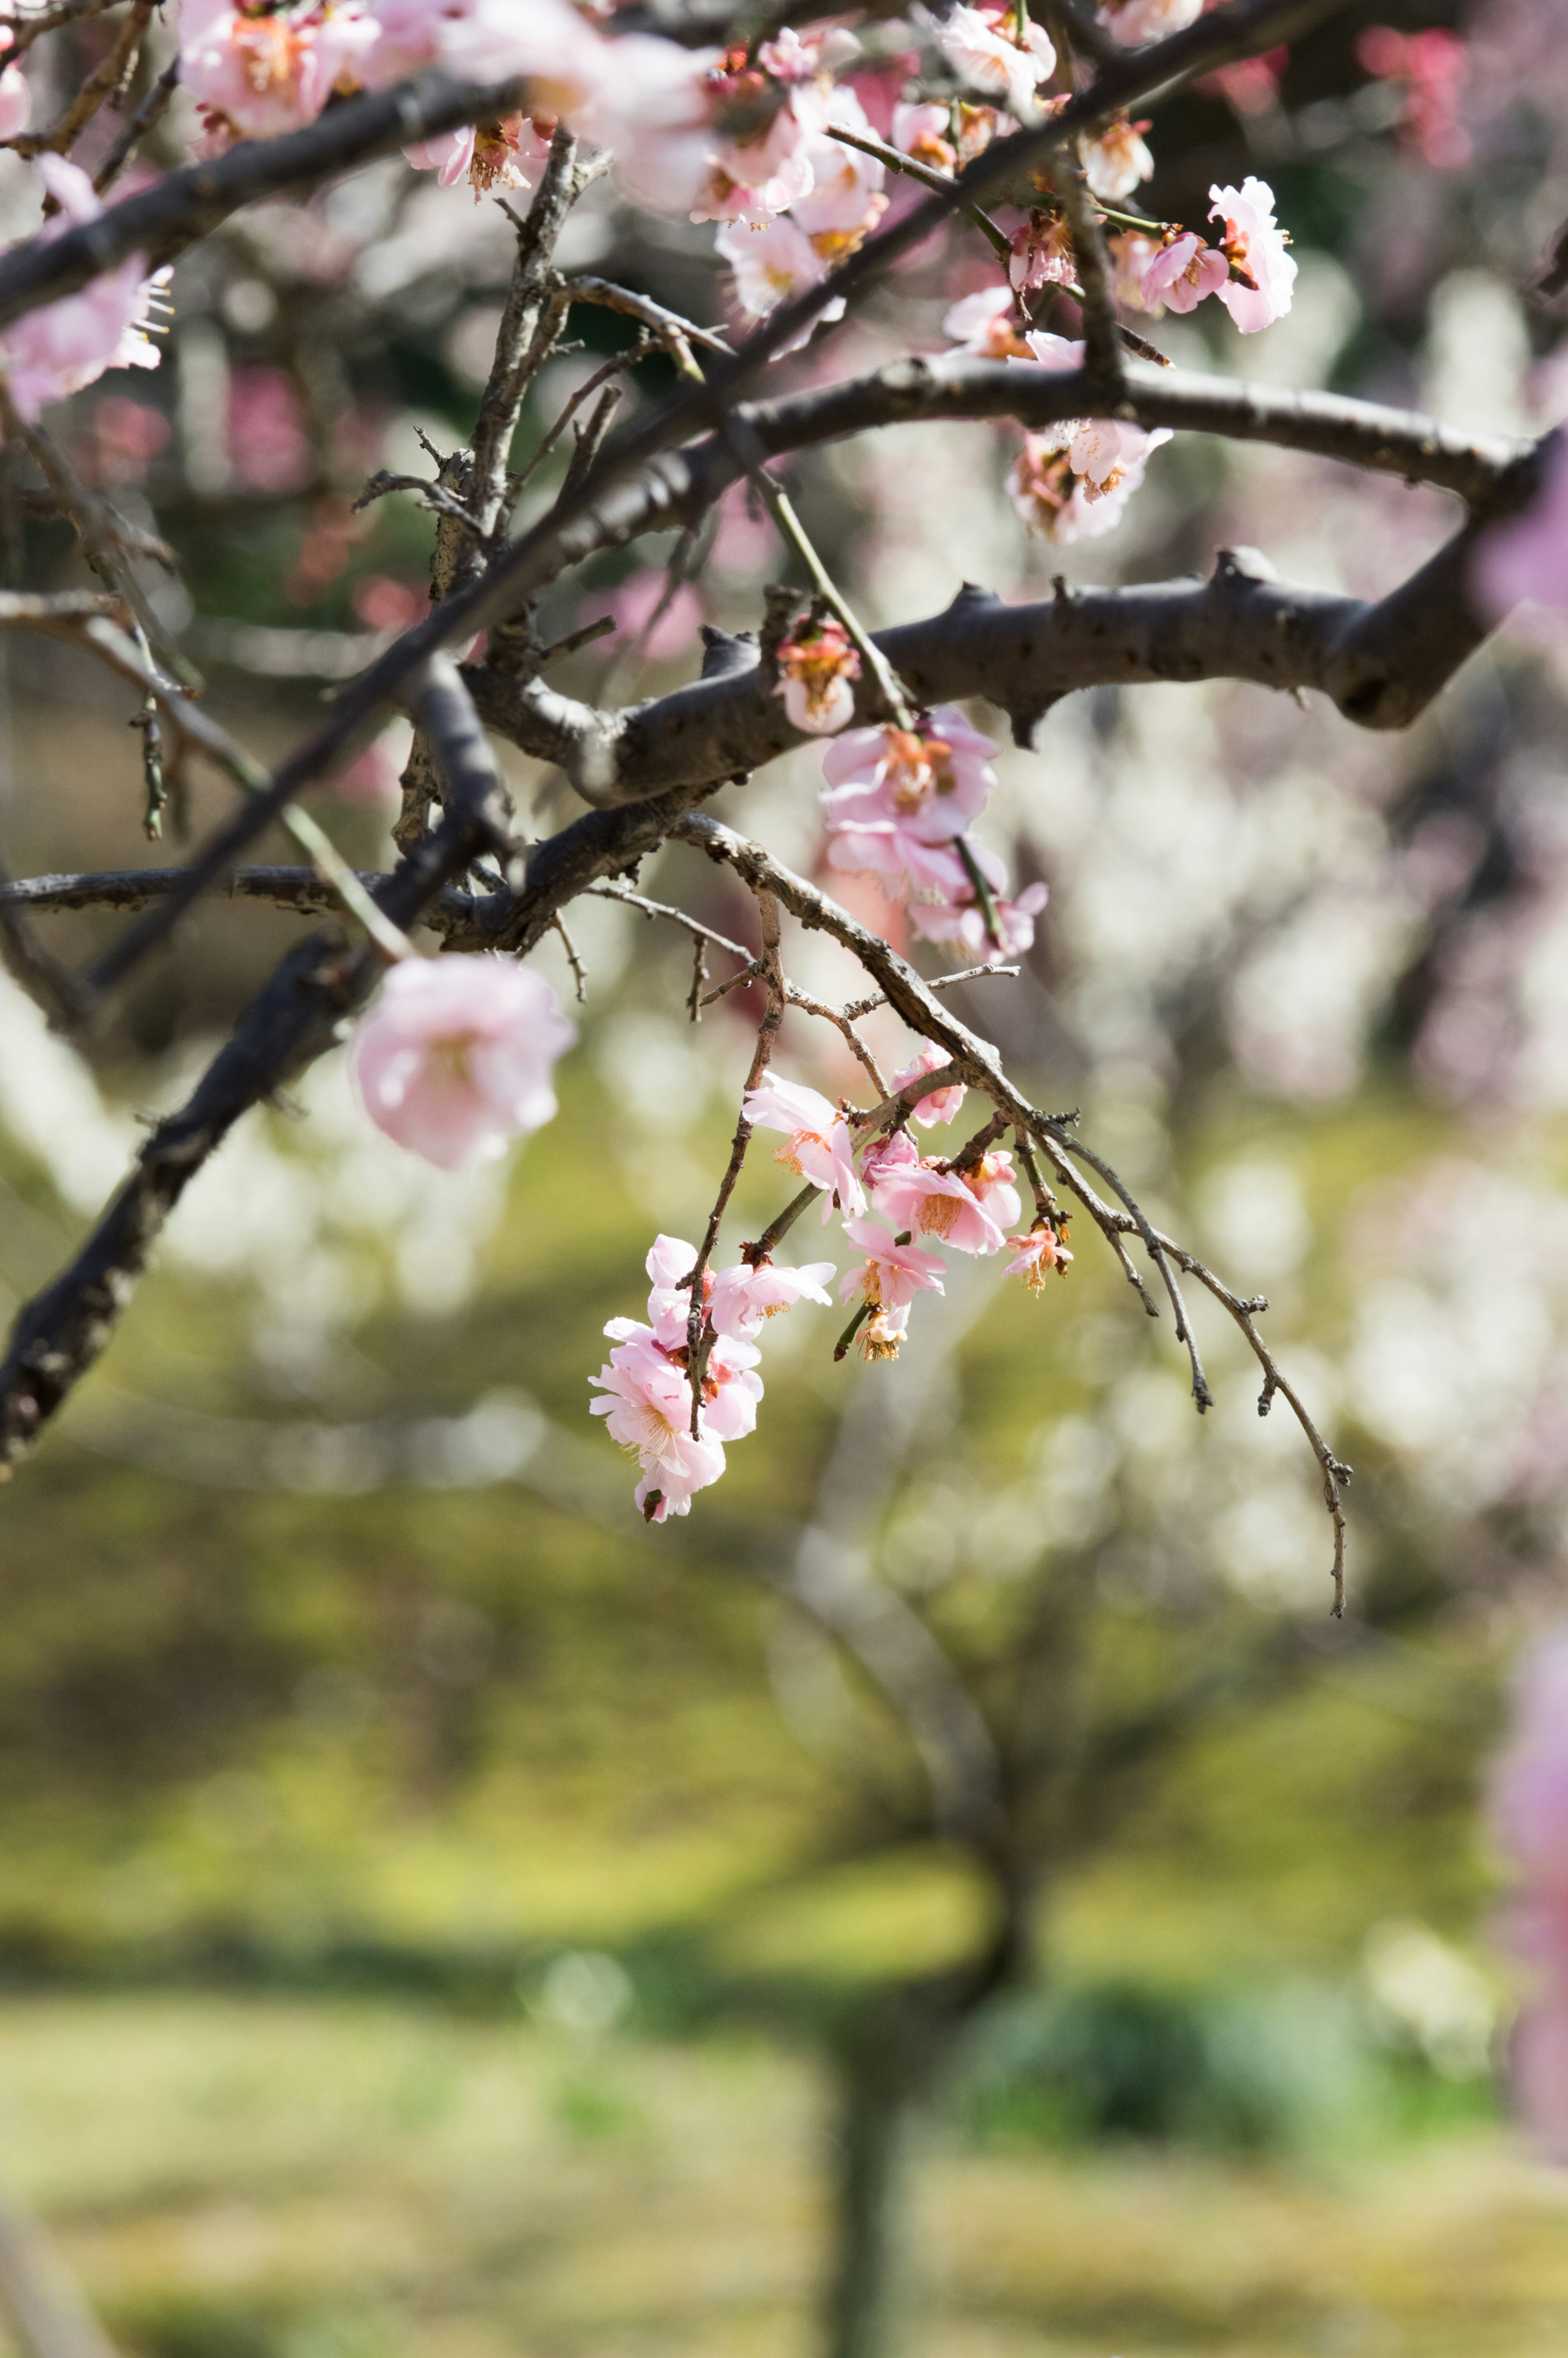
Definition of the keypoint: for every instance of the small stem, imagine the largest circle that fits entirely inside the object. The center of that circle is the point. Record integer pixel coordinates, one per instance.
(982, 889)
(761, 1251)
(841, 1346)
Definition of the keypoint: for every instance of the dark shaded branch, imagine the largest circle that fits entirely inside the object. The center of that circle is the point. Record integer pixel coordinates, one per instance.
(164, 222)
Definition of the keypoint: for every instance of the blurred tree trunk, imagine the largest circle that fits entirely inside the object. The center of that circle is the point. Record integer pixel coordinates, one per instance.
(863, 2294)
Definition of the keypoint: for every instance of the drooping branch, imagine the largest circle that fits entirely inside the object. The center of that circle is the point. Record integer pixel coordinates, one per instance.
(295, 1019)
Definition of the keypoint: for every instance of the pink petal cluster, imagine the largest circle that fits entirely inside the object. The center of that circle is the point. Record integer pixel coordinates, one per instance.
(817, 1146)
(62, 347)
(926, 1195)
(956, 920)
(1250, 270)
(988, 53)
(646, 1383)
(254, 76)
(1117, 159)
(818, 668)
(488, 157)
(886, 1281)
(1133, 22)
(1106, 455)
(921, 130)
(1524, 560)
(893, 795)
(987, 324)
(457, 1056)
(1433, 66)
(845, 200)
(772, 261)
(1033, 1255)
(1530, 1814)
(941, 1105)
(1041, 253)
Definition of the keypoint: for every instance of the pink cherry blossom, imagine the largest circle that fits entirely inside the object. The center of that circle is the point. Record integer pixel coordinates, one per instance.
(456, 1053)
(818, 1147)
(1117, 159)
(1103, 452)
(1254, 247)
(952, 915)
(15, 97)
(927, 784)
(818, 668)
(655, 113)
(1525, 558)
(983, 49)
(1133, 22)
(488, 157)
(762, 122)
(1033, 1255)
(923, 1194)
(985, 324)
(254, 77)
(890, 1276)
(721, 197)
(772, 262)
(647, 1408)
(941, 1105)
(62, 347)
(491, 41)
(921, 131)
(846, 199)
(744, 1296)
(1183, 273)
(669, 1302)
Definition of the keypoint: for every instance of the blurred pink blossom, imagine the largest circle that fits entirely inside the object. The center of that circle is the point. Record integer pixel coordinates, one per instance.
(1433, 66)
(254, 77)
(383, 604)
(455, 1055)
(1524, 560)
(1529, 1816)
(1133, 22)
(634, 603)
(268, 449)
(374, 782)
(15, 98)
(989, 51)
(64, 346)
(772, 261)
(1116, 159)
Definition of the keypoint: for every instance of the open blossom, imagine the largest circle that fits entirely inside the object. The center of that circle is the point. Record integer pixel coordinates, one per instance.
(655, 113)
(647, 1408)
(845, 200)
(817, 667)
(926, 1196)
(1530, 1815)
(887, 1280)
(772, 261)
(985, 324)
(921, 131)
(744, 1296)
(1053, 499)
(985, 50)
(254, 76)
(457, 1055)
(489, 156)
(1104, 452)
(1262, 275)
(952, 915)
(1033, 1255)
(1117, 159)
(928, 782)
(1525, 557)
(491, 41)
(1181, 273)
(1133, 22)
(941, 1105)
(62, 347)
(817, 1145)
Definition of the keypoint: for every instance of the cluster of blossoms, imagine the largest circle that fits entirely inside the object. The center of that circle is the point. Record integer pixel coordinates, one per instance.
(967, 1203)
(1250, 270)
(1529, 1807)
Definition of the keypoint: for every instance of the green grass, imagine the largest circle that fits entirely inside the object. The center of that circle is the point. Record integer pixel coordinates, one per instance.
(306, 2179)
